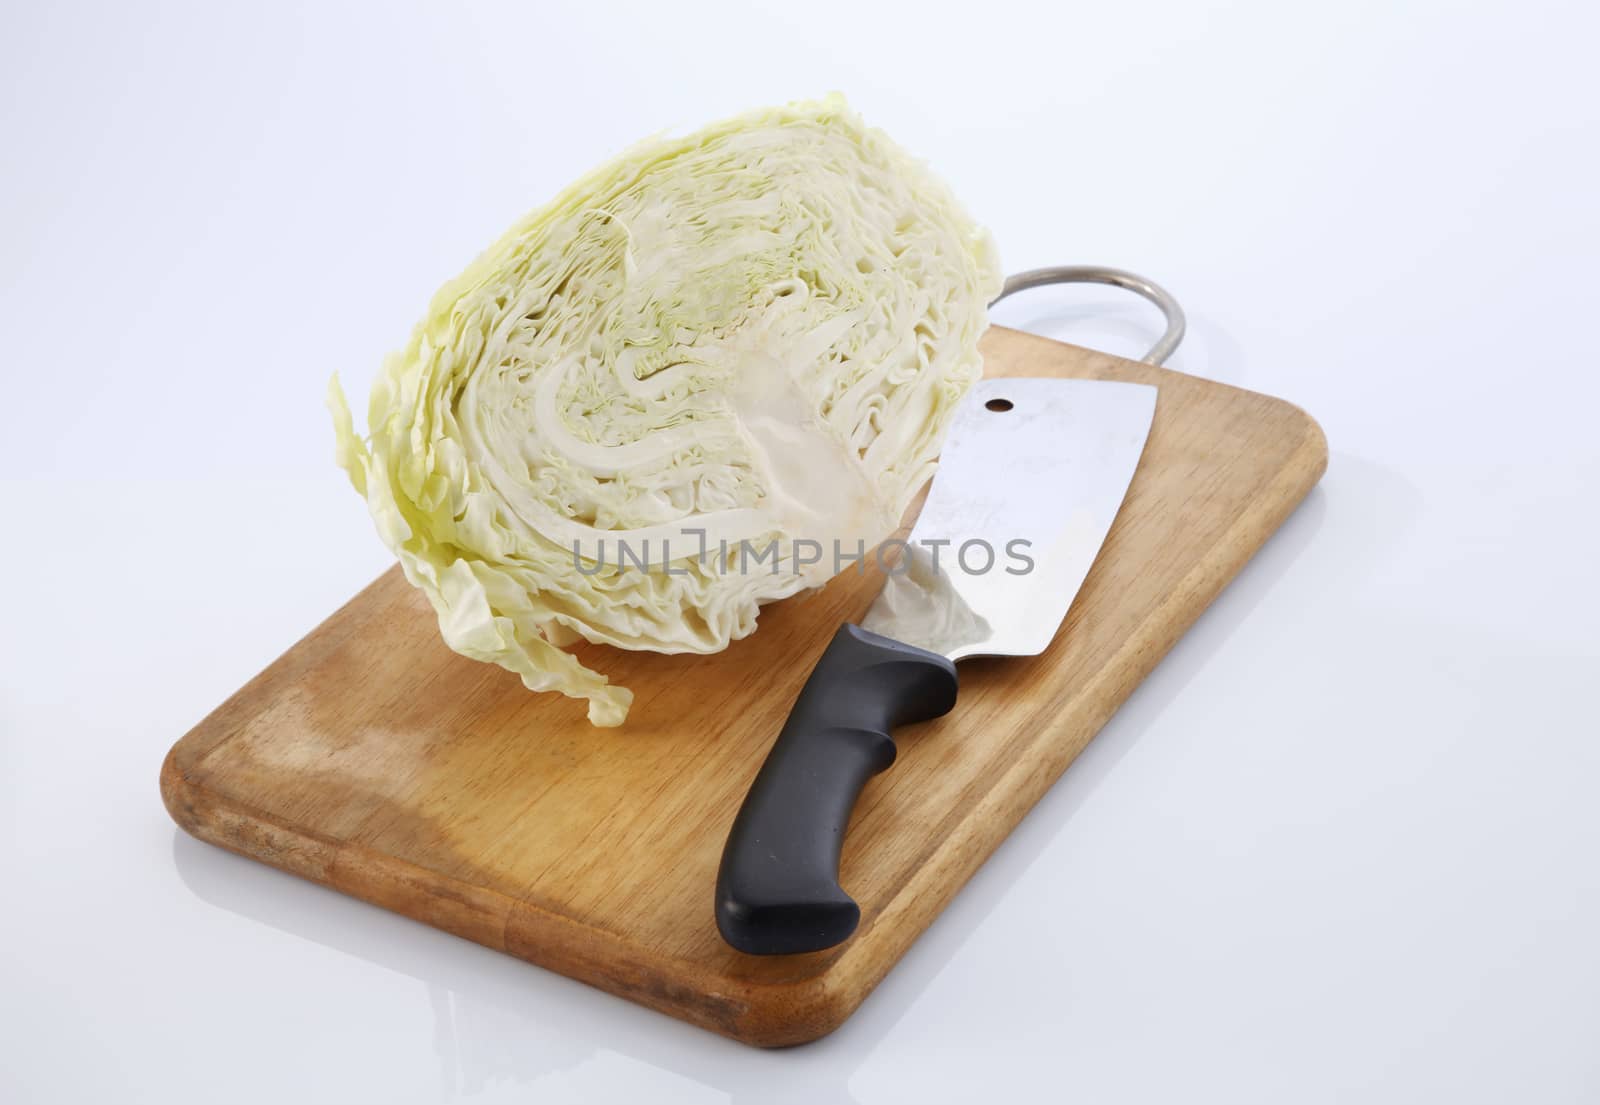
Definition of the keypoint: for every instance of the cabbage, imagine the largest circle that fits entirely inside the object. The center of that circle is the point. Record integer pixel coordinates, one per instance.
(754, 334)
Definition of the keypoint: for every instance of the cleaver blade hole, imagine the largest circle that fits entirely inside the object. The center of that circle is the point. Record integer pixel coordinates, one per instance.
(998, 405)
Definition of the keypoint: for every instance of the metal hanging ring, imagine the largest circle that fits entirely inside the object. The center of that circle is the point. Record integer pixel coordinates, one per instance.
(1100, 274)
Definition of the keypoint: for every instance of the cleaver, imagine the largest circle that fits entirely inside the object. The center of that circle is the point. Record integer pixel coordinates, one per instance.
(1030, 478)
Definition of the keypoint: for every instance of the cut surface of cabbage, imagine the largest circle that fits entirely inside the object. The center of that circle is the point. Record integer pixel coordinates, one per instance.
(714, 345)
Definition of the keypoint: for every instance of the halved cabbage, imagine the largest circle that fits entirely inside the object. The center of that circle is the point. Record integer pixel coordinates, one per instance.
(751, 335)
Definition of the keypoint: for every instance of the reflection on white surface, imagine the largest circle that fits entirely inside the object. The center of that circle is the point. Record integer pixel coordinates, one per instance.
(498, 1024)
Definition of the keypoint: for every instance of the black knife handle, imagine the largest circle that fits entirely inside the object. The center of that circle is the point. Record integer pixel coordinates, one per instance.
(778, 889)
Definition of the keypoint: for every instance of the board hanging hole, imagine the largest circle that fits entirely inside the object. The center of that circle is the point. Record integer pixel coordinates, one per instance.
(998, 405)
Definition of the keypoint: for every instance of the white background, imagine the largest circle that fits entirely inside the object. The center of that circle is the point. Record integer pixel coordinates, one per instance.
(1344, 844)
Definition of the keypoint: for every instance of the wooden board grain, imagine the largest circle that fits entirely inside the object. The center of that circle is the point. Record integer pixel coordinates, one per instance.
(373, 760)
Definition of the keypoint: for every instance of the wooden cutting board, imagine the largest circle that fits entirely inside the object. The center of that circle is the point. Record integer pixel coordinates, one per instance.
(372, 759)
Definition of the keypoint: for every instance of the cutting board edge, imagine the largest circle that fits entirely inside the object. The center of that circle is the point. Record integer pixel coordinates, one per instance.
(763, 1015)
